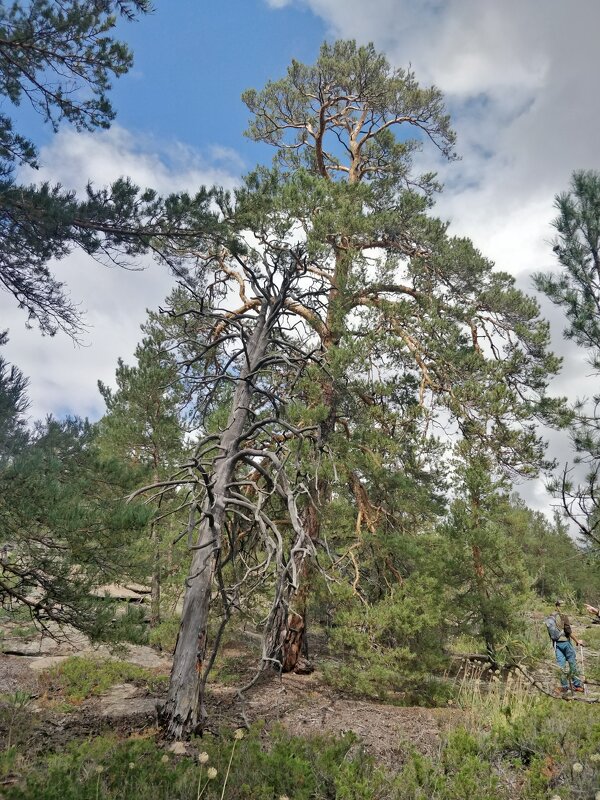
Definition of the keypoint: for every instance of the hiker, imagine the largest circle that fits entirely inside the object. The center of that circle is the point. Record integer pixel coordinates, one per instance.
(561, 634)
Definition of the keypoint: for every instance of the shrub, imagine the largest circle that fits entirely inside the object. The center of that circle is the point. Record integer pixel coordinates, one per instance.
(77, 678)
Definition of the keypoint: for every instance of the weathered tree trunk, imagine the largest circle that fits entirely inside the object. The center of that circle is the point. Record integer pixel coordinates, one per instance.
(285, 640)
(184, 712)
(281, 639)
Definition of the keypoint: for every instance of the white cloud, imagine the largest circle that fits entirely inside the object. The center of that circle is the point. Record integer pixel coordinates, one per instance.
(73, 159)
(64, 376)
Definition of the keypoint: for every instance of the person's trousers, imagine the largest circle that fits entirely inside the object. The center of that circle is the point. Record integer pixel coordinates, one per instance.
(566, 659)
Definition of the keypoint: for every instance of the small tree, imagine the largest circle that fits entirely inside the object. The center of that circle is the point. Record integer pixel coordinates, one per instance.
(143, 427)
(65, 529)
(485, 564)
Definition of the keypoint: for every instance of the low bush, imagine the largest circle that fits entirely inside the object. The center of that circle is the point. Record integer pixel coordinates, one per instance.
(78, 678)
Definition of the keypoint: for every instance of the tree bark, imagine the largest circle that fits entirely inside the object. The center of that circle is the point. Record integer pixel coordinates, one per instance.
(156, 578)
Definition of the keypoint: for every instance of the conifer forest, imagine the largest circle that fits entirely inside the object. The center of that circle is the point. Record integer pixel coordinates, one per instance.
(297, 554)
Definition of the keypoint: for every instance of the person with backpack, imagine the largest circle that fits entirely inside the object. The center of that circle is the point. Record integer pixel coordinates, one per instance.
(562, 636)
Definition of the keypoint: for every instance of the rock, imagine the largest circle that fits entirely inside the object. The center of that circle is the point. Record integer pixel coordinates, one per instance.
(130, 592)
(125, 700)
(140, 655)
(177, 748)
(18, 646)
(46, 662)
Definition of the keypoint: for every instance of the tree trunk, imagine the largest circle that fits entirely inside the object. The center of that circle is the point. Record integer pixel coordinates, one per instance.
(184, 713)
(155, 580)
(487, 628)
(285, 639)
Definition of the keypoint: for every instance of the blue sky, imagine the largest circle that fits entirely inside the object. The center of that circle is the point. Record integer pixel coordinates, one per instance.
(520, 79)
(193, 61)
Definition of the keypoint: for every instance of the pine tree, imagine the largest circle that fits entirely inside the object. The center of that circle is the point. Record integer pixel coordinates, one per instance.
(66, 529)
(13, 405)
(576, 289)
(348, 289)
(143, 426)
(484, 563)
(60, 58)
(404, 297)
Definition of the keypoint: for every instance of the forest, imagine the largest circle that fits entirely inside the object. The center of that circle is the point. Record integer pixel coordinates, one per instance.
(290, 561)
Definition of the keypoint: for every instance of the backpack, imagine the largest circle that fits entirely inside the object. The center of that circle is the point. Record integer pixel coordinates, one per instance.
(554, 632)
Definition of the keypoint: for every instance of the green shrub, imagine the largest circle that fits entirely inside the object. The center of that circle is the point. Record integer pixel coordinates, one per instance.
(393, 646)
(302, 769)
(164, 635)
(77, 678)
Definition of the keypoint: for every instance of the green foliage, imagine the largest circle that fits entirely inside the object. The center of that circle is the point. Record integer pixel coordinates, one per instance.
(391, 648)
(483, 556)
(13, 405)
(77, 678)
(62, 57)
(66, 528)
(528, 757)
(548, 742)
(577, 291)
(556, 565)
(315, 769)
(164, 635)
(461, 772)
(348, 75)
(144, 426)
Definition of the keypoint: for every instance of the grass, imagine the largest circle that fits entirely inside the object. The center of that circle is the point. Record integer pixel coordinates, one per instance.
(491, 699)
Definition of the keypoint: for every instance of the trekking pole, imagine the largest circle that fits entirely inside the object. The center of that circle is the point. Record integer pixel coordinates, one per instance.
(582, 668)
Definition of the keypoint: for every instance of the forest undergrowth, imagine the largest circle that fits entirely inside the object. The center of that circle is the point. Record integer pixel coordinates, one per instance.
(502, 739)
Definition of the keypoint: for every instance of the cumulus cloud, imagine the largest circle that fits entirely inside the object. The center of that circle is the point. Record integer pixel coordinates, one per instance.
(114, 301)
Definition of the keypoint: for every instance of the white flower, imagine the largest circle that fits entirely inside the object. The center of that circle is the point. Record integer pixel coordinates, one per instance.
(165, 759)
(203, 757)
(283, 797)
(211, 773)
(595, 758)
(99, 769)
(131, 765)
(555, 797)
(597, 796)
(577, 768)
(239, 734)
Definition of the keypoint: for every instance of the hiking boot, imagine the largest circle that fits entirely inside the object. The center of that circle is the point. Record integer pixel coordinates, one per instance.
(579, 688)
(563, 692)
